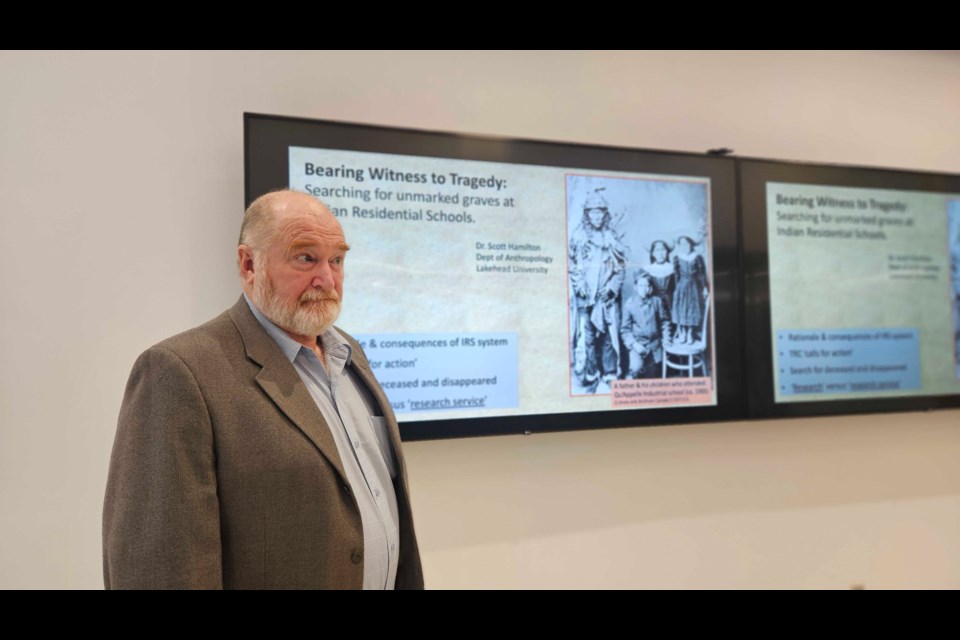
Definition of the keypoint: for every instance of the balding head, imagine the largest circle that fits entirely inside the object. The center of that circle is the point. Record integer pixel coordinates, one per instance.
(263, 217)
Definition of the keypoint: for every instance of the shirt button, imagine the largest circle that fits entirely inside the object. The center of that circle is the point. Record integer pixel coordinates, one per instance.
(376, 492)
(356, 444)
(346, 489)
(393, 547)
(356, 556)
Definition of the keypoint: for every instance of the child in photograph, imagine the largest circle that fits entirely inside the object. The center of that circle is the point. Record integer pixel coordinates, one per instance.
(690, 290)
(644, 321)
(661, 272)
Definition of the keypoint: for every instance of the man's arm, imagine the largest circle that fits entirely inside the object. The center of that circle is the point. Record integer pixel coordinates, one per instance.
(576, 276)
(161, 515)
(618, 268)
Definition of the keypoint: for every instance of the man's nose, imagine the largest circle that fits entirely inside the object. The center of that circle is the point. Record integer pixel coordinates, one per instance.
(323, 277)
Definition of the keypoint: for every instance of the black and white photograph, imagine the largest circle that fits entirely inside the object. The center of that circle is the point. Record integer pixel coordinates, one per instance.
(639, 280)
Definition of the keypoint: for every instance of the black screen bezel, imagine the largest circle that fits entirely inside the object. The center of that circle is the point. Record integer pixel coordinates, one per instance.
(266, 142)
(754, 174)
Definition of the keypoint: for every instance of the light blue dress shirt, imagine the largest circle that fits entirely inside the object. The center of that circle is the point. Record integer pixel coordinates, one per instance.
(362, 441)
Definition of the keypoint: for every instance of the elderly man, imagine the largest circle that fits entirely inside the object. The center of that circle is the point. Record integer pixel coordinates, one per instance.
(257, 450)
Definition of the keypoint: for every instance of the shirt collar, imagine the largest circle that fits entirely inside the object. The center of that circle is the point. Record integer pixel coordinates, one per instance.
(331, 339)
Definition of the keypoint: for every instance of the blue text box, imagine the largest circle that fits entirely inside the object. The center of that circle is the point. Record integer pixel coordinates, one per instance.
(442, 371)
(838, 361)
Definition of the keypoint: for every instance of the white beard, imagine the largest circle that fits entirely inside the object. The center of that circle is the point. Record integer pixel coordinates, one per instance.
(311, 315)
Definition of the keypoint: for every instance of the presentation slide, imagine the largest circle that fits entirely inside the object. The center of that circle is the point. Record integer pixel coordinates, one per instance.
(863, 292)
(500, 289)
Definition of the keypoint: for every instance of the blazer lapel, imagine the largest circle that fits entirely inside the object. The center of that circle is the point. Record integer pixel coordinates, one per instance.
(362, 367)
(280, 381)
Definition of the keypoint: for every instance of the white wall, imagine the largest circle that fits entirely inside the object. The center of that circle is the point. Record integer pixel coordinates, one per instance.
(121, 191)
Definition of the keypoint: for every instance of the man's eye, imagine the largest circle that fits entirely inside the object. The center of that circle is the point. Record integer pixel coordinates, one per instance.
(338, 260)
(304, 258)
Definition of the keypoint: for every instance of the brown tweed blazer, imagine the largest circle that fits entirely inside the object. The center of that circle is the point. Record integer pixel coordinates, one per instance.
(225, 475)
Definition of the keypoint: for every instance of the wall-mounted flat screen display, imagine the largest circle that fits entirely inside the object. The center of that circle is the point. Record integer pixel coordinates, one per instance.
(853, 288)
(503, 286)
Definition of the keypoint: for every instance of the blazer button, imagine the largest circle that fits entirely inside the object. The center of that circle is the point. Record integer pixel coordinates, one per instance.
(357, 556)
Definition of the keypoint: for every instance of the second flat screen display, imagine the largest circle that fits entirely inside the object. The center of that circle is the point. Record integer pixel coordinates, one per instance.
(863, 285)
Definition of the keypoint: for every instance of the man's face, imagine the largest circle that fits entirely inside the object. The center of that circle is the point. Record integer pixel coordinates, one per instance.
(596, 215)
(298, 279)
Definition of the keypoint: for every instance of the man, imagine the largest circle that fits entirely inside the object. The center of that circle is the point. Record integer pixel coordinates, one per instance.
(257, 450)
(597, 261)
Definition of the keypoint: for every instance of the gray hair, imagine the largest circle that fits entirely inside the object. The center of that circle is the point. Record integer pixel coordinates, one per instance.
(258, 229)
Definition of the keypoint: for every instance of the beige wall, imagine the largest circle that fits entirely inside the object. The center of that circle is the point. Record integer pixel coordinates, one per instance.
(121, 187)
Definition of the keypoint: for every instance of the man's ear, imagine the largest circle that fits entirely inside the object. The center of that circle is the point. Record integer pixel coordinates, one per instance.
(245, 263)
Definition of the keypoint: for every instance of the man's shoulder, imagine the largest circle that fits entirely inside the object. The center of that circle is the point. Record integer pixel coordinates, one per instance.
(212, 342)
(200, 337)
(580, 235)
